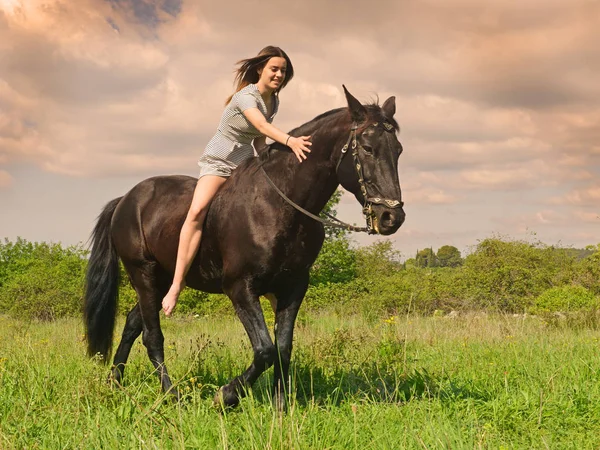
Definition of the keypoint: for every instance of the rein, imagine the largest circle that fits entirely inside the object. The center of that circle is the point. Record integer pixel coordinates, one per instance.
(337, 224)
(369, 201)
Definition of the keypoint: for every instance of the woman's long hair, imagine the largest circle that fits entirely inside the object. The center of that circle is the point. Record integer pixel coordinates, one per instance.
(247, 73)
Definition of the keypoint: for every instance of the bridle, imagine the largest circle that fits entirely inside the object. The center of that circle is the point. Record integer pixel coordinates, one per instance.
(367, 210)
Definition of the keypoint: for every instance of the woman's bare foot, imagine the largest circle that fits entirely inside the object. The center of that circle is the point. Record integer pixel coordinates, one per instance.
(170, 300)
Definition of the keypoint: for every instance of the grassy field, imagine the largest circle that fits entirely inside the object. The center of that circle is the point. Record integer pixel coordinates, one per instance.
(399, 382)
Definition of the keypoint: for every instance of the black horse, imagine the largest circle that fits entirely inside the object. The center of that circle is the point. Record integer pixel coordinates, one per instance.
(254, 243)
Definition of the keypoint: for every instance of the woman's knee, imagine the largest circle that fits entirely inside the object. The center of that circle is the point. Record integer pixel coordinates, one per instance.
(197, 213)
(203, 195)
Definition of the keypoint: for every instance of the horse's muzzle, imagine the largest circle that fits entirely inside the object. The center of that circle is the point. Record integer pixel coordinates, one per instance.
(388, 220)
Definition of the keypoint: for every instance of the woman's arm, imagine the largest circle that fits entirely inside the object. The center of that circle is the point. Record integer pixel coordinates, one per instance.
(299, 145)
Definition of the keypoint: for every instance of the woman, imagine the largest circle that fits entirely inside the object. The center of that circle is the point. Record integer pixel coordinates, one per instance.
(247, 118)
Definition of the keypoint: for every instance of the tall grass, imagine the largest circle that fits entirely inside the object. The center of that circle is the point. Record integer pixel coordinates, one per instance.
(474, 381)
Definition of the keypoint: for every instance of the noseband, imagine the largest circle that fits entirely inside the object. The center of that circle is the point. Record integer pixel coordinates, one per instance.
(368, 212)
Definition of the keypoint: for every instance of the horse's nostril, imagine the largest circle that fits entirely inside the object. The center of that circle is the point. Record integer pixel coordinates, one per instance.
(387, 218)
(391, 219)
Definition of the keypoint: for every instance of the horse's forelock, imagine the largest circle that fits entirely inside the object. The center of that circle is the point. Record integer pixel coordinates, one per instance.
(376, 114)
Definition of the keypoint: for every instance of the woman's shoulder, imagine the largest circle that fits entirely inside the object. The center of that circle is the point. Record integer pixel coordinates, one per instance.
(245, 98)
(250, 89)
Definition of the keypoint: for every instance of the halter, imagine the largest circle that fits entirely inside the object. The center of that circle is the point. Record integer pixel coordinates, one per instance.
(369, 201)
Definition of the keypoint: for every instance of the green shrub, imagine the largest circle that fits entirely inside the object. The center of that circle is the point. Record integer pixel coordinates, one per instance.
(507, 275)
(588, 270)
(332, 295)
(197, 302)
(46, 281)
(41, 281)
(378, 259)
(565, 299)
(336, 262)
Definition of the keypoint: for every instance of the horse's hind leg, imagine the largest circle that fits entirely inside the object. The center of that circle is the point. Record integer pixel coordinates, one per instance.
(151, 290)
(250, 313)
(133, 328)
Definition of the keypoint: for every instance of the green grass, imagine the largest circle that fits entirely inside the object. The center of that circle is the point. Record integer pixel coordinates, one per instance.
(404, 382)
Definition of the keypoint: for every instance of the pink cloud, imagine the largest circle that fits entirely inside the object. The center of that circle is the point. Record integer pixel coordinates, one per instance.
(5, 179)
(585, 196)
(497, 100)
(590, 217)
(429, 196)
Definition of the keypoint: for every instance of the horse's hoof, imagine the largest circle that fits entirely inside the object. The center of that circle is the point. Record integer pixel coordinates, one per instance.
(174, 394)
(115, 376)
(226, 397)
(114, 379)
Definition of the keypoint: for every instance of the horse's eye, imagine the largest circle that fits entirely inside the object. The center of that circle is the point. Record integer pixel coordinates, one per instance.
(367, 148)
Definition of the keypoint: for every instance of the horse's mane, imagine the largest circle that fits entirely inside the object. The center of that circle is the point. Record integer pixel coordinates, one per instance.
(334, 118)
(374, 111)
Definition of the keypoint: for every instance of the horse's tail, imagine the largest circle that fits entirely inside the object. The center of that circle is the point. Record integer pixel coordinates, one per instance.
(102, 286)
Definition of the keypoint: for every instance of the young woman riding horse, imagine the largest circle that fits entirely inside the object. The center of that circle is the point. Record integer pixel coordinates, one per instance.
(256, 240)
(246, 118)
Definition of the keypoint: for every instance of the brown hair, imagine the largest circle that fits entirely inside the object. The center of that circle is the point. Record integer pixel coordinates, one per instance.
(247, 73)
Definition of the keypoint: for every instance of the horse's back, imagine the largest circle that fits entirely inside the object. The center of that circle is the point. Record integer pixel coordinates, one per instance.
(246, 231)
(148, 219)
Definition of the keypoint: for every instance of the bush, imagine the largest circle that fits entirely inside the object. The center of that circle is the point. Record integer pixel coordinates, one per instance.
(46, 281)
(336, 262)
(41, 281)
(508, 275)
(588, 270)
(377, 259)
(565, 299)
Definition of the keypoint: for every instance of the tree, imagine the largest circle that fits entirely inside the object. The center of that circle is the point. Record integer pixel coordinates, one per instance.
(378, 259)
(449, 256)
(426, 258)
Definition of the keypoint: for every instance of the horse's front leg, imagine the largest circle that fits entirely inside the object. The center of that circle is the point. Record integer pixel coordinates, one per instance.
(287, 303)
(248, 309)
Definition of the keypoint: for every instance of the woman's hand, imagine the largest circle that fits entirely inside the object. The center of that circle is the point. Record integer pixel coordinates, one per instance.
(299, 145)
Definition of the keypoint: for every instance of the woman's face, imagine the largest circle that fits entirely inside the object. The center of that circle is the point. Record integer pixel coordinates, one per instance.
(273, 73)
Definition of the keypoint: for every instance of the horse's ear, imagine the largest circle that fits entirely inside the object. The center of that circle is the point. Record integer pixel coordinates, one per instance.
(357, 111)
(389, 107)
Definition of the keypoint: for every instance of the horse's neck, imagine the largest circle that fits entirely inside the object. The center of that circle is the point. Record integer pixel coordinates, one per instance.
(311, 183)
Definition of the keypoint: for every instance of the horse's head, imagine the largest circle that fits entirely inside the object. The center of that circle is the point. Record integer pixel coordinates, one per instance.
(368, 166)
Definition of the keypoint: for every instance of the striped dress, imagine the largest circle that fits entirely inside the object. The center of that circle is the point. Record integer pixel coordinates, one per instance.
(232, 142)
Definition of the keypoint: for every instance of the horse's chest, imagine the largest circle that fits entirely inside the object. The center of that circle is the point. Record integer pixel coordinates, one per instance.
(300, 249)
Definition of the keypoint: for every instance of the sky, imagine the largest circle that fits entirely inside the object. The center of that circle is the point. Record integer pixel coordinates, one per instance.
(498, 104)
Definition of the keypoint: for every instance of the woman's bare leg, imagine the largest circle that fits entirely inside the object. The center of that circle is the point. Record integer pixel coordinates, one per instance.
(190, 236)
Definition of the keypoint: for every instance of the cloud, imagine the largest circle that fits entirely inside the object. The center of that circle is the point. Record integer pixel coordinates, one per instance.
(550, 218)
(590, 217)
(517, 178)
(5, 179)
(498, 102)
(424, 188)
(430, 196)
(585, 196)
(148, 12)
